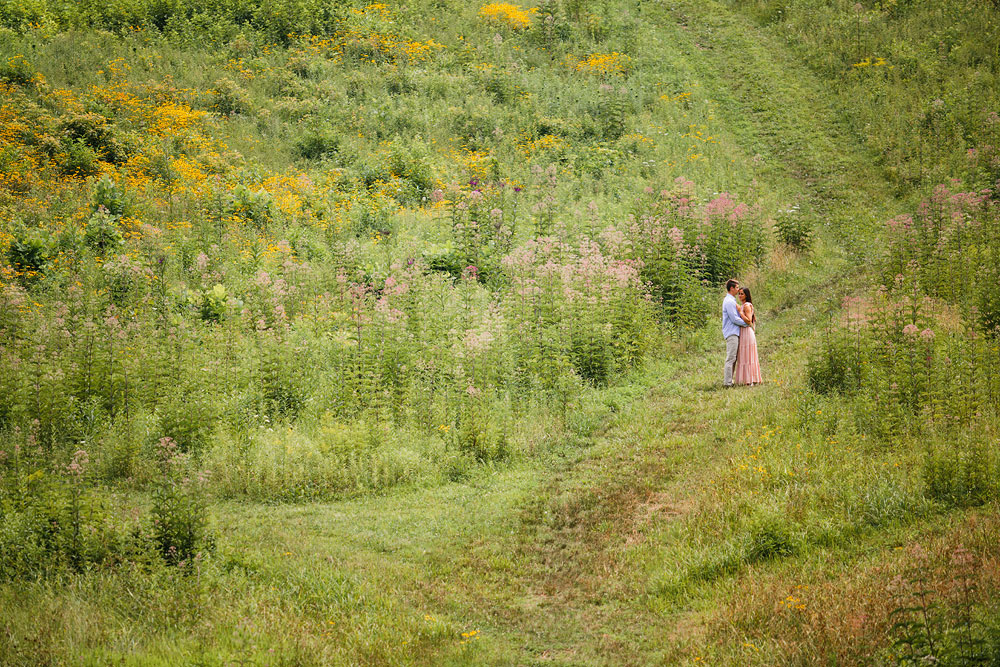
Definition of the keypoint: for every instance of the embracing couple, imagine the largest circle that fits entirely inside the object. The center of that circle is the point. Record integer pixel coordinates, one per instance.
(739, 324)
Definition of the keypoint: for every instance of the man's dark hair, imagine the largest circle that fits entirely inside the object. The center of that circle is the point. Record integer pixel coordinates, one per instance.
(731, 283)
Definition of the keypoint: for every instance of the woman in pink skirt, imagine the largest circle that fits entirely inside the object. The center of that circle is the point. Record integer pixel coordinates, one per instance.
(747, 369)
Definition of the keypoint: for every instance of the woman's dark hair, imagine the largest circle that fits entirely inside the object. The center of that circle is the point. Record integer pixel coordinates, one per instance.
(746, 293)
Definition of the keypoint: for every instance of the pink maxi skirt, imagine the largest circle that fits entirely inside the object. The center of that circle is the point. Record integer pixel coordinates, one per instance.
(747, 369)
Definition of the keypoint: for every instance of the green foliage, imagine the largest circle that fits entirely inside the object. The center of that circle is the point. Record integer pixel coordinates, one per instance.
(960, 474)
(214, 304)
(317, 144)
(256, 208)
(612, 112)
(400, 302)
(835, 366)
(188, 419)
(794, 230)
(685, 246)
(78, 159)
(29, 256)
(917, 80)
(229, 98)
(479, 433)
(888, 501)
(96, 132)
(102, 233)
(16, 70)
(179, 511)
(273, 21)
(410, 161)
(935, 623)
(52, 521)
(282, 397)
(111, 197)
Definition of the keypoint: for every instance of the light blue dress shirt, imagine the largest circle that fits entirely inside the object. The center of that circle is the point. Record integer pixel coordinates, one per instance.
(731, 320)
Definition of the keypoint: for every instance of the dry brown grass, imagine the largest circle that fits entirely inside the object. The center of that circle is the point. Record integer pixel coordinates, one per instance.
(845, 616)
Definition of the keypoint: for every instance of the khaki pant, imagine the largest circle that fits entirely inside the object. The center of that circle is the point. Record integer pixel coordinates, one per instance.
(732, 347)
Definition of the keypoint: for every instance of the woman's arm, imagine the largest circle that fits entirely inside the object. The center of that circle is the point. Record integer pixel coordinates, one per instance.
(746, 312)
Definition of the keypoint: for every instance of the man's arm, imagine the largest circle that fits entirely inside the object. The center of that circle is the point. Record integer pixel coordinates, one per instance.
(733, 313)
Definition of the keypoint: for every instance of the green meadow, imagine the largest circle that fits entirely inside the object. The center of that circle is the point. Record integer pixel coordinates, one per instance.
(345, 334)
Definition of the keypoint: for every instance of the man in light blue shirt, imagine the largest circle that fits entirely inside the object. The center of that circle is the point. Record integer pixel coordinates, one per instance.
(731, 324)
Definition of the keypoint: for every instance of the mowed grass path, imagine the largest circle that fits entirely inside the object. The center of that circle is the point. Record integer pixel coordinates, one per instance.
(586, 557)
(551, 560)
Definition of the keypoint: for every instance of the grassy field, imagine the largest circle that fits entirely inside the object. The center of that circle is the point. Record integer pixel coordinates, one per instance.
(278, 455)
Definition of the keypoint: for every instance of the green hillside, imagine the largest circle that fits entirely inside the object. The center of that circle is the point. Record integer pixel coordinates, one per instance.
(387, 334)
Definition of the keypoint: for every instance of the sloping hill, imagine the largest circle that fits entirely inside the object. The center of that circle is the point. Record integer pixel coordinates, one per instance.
(467, 471)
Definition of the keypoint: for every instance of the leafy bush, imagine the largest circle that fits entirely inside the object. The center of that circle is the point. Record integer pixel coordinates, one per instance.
(29, 256)
(255, 208)
(961, 475)
(213, 305)
(228, 97)
(317, 144)
(102, 232)
(78, 159)
(180, 523)
(97, 133)
(17, 69)
(110, 197)
(794, 230)
(834, 367)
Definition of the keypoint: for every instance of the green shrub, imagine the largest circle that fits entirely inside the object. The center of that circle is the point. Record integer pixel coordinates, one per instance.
(255, 208)
(29, 256)
(317, 144)
(229, 98)
(77, 158)
(960, 475)
(794, 230)
(102, 233)
(96, 132)
(214, 304)
(16, 70)
(180, 511)
(834, 367)
(111, 197)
